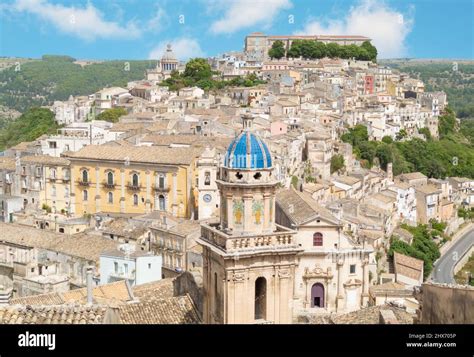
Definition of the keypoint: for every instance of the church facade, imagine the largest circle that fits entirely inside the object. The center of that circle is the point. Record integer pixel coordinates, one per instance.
(275, 256)
(249, 261)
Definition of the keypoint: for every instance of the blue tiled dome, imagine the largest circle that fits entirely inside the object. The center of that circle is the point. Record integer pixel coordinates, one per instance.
(248, 151)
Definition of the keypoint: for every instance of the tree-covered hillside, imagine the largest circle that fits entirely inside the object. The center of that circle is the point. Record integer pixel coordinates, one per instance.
(39, 83)
(28, 127)
(451, 155)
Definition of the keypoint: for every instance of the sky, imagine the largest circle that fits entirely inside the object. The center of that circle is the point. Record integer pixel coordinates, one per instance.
(140, 29)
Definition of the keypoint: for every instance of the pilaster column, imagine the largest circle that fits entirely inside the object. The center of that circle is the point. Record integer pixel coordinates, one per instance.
(147, 195)
(97, 189)
(175, 194)
(72, 192)
(266, 210)
(230, 216)
(340, 288)
(247, 218)
(365, 281)
(122, 190)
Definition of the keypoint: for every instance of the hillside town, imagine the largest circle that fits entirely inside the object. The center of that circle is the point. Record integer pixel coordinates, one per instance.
(238, 204)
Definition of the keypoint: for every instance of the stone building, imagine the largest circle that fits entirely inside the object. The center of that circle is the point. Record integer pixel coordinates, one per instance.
(249, 261)
(319, 151)
(133, 179)
(333, 270)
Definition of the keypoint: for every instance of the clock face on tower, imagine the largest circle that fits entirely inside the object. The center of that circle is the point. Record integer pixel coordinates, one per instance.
(207, 198)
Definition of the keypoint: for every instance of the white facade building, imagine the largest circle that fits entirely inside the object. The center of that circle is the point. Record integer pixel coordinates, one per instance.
(126, 263)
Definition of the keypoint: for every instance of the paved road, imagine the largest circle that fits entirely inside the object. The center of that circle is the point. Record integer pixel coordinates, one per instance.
(443, 271)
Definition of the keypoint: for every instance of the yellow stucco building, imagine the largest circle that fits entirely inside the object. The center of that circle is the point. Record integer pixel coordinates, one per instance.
(47, 179)
(133, 179)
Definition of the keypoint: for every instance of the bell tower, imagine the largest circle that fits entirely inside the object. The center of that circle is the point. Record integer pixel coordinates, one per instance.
(249, 260)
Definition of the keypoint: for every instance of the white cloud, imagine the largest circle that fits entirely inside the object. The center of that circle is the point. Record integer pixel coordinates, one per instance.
(86, 23)
(183, 48)
(241, 14)
(387, 27)
(157, 21)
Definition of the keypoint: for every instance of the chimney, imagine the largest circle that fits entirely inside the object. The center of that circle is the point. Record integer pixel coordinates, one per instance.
(89, 284)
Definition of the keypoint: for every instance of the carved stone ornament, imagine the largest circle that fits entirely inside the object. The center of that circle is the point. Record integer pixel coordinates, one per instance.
(317, 272)
(283, 274)
(238, 277)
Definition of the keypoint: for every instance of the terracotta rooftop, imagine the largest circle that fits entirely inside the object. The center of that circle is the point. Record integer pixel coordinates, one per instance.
(139, 154)
(300, 207)
(45, 159)
(408, 266)
(113, 292)
(371, 316)
(52, 314)
(80, 245)
(174, 310)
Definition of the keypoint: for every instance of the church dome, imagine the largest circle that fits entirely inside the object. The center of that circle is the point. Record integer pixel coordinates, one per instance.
(248, 151)
(168, 55)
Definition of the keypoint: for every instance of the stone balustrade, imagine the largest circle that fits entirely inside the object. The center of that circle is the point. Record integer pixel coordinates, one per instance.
(280, 239)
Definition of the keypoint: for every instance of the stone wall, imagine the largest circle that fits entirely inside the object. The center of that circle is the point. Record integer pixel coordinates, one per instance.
(190, 283)
(447, 304)
(464, 259)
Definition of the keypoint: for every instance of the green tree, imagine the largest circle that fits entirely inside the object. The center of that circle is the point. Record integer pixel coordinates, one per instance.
(387, 139)
(384, 154)
(401, 134)
(447, 123)
(337, 163)
(295, 49)
(319, 50)
(332, 50)
(426, 132)
(356, 135)
(278, 50)
(111, 115)
(371, 50)
(28, 127)
(367, 151)
(198, 69)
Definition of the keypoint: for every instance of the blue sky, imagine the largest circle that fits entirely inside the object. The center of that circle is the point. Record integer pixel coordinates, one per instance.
(140, 29)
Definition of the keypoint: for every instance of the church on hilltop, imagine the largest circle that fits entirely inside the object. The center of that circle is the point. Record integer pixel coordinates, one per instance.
(164, 67)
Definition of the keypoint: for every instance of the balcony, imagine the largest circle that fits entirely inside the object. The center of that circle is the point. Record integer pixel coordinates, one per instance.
(122, 275)
(159, 188)
(133, 187)
(110, 185)
(84, 183)
(66, 178)
(282, 239)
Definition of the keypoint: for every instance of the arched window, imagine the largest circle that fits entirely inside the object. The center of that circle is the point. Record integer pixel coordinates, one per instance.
(207, 178)
(161, 200)
(260, 299)
(53, 173)
(135, 199)
(161, 181)
(85, 195)
(110, 178)
(110, 196)
(135, 180)
(317, 239)
(85, 176)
